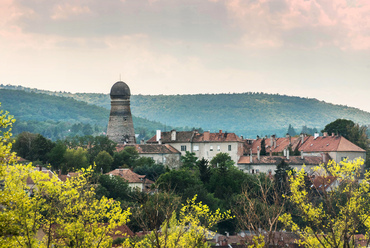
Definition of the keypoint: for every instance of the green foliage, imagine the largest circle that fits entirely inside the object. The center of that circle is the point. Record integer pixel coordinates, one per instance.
(222, 161)
(204, 170)
(178, 181)
(151, 171)
(339, 214)
(56, 155)
(113, 187)
(103, 162)
(339, 127)
(189, 160)
(75, 159)
(263, 147)
(207, 111)
(126, 158)
(281, 177)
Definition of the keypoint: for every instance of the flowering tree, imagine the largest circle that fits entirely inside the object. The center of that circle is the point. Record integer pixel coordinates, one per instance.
(189, 230)
(332, 217)
(67, 212)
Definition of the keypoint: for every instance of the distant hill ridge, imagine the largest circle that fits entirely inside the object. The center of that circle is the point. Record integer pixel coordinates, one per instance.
(247, 114)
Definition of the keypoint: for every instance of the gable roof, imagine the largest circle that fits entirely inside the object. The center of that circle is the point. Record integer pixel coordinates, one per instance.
(194, 136)
(329, 144)
(151, 148)
(181, 136)
(129, 176)
(275, 160)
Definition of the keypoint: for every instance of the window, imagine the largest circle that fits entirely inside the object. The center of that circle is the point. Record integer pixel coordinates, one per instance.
(183, 148)
(229, 147)
(211, 148)
(218, 148)
(196, 148)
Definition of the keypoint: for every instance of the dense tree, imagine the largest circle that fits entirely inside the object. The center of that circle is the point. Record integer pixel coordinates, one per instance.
(56, 155)
(75, 159)
(189, 160)
(103, 162)
(222, 161)
(178, 181)
(263, 147)
(341, 212)
(204, 170)
(61, 209)
(281, 177)
(189, 229)
(152, 172)
(340, 126)
(23, 145)
(127, 157)
(113, 187)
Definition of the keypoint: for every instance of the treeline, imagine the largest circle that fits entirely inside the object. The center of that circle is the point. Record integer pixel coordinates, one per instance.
(246, 114)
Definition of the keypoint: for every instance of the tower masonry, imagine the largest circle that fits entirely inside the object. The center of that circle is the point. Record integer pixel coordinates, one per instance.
(120, 125)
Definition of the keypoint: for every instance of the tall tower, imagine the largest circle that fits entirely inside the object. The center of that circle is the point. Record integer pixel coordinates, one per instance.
(120, 125)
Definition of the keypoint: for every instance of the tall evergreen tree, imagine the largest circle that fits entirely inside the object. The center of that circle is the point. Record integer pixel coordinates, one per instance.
(263, 147)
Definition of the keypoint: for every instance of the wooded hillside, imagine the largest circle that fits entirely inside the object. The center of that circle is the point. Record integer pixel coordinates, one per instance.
(247, 114)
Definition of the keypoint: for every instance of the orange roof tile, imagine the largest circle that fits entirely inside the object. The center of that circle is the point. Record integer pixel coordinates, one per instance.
(129, 175)
(293, 160)
(151, 148)
(329, 144)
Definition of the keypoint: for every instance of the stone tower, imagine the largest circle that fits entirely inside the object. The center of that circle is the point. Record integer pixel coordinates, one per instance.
(120, 125)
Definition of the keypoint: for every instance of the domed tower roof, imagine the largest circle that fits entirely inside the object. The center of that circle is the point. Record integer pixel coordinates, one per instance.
(120, 90)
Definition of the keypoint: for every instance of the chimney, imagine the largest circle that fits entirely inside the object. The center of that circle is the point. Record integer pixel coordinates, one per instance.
(302, 137)
(272, 141)
(325, 134)
(287, 154)
(142, 141)
(258, 137)
(206, 136)
(258, 153)
(289, 138)
(160, 142)
(173, 135)
(250, 155)
(220, 132)
(316, 135)
(158, 135)
(270, 152)
(332, 134)
(241, 136)
(302, 154)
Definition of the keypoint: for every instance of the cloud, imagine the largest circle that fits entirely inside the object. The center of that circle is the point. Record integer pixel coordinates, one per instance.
(319, 23)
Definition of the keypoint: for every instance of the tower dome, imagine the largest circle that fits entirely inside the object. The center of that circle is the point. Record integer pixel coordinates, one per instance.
(120, 90)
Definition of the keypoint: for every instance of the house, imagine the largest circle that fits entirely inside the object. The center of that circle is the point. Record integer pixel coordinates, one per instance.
(336, 146)
(135, 181)
(161, 153)
(313, 151)
(204, 145)
(268, 164)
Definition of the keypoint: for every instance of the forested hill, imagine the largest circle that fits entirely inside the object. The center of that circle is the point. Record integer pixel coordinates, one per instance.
(56, 117)
(247, 114)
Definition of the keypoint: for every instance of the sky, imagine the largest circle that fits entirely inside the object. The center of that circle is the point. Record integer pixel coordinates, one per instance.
(308, 48)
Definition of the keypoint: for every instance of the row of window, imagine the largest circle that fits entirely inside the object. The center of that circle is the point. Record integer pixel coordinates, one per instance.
(196, 148)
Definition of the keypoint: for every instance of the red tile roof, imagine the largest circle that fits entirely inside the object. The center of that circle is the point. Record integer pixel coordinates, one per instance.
(323, 183)
(182, 136)
(151, 148)
(329, 144)
(293, 160)
(129, 176)
(194, 136)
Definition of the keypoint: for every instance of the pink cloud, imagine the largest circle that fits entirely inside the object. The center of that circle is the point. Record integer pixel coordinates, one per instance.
(344, 22)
